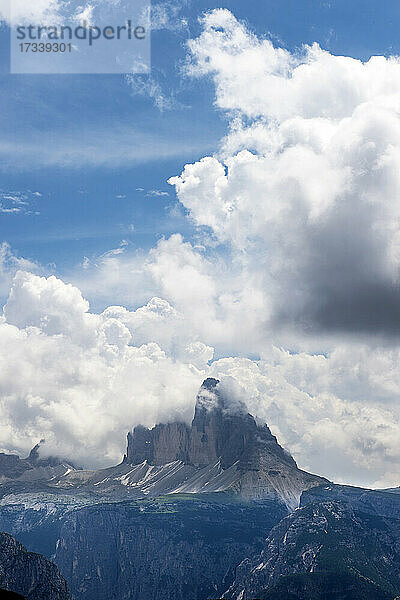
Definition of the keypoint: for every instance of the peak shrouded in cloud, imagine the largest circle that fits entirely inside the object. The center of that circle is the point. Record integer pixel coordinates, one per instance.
(298, 238)
(81, 379)
(78, 379)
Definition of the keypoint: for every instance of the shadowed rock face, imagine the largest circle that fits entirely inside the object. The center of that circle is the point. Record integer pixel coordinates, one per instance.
(6, 595)
(224, 449)
(231, 434)
(216, 433)
(172, 548)
(28, 574)
(163, 444)
(224, 435)
(322, 543)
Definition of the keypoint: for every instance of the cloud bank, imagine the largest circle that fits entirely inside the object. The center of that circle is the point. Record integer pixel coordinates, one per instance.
(295, 261)
(305, 188)
(81, 380)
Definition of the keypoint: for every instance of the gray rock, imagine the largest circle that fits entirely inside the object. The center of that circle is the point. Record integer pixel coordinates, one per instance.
(170, 548)
(224, 441)
(31, 575)
(325, 537)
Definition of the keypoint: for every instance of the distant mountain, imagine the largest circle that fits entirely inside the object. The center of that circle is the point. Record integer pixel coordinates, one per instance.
(198, 511)
(224, 449)
(349, 538)
(28, 574)
(32, 468)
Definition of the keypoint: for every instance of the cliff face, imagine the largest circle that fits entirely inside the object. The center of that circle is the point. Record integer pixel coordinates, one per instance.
(28, 574)
(6, 595)
(158, 526)
(163, 444)
(226, 450)
(172, 548)
(323, 543)
(231, 434)
(217, 433)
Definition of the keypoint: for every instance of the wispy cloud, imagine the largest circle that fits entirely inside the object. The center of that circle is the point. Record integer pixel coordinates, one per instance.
(151, 87)
(157, 193)
(19, 203)
(77, 149)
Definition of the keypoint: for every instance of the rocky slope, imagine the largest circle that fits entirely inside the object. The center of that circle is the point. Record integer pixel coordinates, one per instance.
(325, 586)
(189, 503)
(33, 468)
(328, 538)
(175, 547)
(224, 449)
(28, 574)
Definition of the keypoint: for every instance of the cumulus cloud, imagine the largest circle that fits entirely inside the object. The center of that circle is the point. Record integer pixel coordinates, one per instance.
(296, 246)
(10, 263)
(221, 302)
(81, 380)
(306, 184)
(337, 413)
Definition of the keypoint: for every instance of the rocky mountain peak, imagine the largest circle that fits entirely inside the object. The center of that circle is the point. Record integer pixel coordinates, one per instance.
(218, 433)
(224, 448)
(33, 466)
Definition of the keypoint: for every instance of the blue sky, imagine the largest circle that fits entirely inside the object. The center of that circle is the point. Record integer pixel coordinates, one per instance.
(294, 295)
(97, 152)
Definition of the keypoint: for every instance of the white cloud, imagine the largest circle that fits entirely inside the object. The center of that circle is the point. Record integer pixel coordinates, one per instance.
(297, 246)
(338, 414)
(74, 149)
(157, 193)
(151, 87)
(10, 263)
(18, 203)
(305, 187)
(259, 80)
(81, 380)
(40, 11)
(51, 12)
(168, 16)
(84, 14)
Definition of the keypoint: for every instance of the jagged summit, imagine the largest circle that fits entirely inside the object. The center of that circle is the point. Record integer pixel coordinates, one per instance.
(217, 433)
(223, 450)
(209, 384)
(241, 455)
(12, 466)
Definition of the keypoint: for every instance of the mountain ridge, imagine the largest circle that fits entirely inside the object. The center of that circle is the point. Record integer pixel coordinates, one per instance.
(187, 512)
(223, 450)
(246, 458)
(29, 574)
